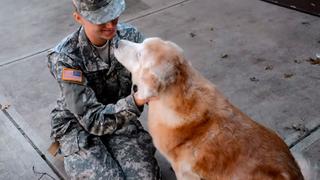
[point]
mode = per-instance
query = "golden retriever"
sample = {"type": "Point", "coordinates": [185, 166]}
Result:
{"type": "Point", "coordinates": [194, 126]}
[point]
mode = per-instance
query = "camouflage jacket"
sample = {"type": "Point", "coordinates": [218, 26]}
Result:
{"type": "Point", "coordinates": [101, 102]}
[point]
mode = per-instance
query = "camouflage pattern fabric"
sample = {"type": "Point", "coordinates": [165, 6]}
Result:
{"type": "Point", "coordinates": [99, 11]}
{"type": "Point", "coordinates": [95, 120]}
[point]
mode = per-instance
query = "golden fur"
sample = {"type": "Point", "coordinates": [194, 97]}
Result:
{"type": "Point", "coordinates": [195, 127]}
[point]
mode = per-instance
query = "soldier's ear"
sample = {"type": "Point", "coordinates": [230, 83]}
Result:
{"type": "Point", "coordinates": [77, 17]}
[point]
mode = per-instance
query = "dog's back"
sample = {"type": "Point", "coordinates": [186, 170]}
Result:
{"type": "Point", "coordinates": [217, 140]}
{"type": "Point", "coordinates": [195, 127]}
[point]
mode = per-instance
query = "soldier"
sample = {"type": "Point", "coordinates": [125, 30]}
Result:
{"type": "Point", "coordinates": [95, 120]}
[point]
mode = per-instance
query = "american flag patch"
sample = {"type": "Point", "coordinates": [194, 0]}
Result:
{"type": "Point", "coordinates": [73, 75]}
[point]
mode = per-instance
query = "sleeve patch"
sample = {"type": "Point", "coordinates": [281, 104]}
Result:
{"type": "Point", "coordinates": [72, 75]}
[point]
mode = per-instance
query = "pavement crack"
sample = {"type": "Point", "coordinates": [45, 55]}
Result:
{"type": "Point", "coordinates": [34, 146]}
{"type": "Point", "coordinates": [22, 58]}
{"type": "Point", "coordinates": [308, 133]}
{"type": "Point", "coordinates": [155, 10]}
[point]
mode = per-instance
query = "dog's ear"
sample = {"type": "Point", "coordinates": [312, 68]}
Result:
{"type": "Point", "coordinates": [149, 86]}
{"type": "Point", "coordinates": [165, 74]}
{"type": "Point", "coordinates": [169, 72]}
{"type": "Point", "coordinates": [177, 56]}
{"type": "Point", "coordinates": [157, 79]}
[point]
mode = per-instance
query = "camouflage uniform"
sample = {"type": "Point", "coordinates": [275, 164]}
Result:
{"type": "Point", "coordinates": [95, 121]}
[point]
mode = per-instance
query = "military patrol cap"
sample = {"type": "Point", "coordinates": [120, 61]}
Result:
{"type": "Point", "coordinates": [99, 11]}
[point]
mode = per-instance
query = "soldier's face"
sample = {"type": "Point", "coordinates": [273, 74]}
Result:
{"type": "Point", "coordinates": [106, 30]}
{"type": "Point", "coordinates": [98, 34]}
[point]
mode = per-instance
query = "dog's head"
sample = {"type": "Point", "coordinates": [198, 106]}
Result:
{"type": "Point", "coordinates": [154, 64]}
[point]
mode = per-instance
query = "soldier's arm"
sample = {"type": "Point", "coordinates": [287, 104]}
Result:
{"type": "Point", "coordinates": [129, 32]}
{"type": "Point", "coordinates": [96, 118]}
{"type": "Point", "coordinates": [61, 120]}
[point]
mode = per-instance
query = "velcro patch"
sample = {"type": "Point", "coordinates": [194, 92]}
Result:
{"type": "Point", "coordinates": [72, 75]}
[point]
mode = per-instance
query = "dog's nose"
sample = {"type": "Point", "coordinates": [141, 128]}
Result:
{"type": "Point", "coordinates": [135, 88]}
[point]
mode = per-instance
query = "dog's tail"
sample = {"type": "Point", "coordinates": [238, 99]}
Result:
{"type": "Point", "coordinates": [309, 171]}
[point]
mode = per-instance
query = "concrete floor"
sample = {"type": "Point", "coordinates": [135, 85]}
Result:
{"type": "Point", "coordinates": [256, 53]}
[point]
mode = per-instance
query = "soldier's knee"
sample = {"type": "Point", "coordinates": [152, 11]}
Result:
{"type": "Point", "coordinates": [89, 165]}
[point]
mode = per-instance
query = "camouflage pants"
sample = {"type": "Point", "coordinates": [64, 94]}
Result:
{"type": "Point", "coordinates": [127, 155]}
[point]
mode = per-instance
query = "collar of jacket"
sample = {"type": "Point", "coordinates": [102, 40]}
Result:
{"type": "Point", "coordinates": [90, 56]}
{"type": "Point", "coordinates": [88, 52]}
